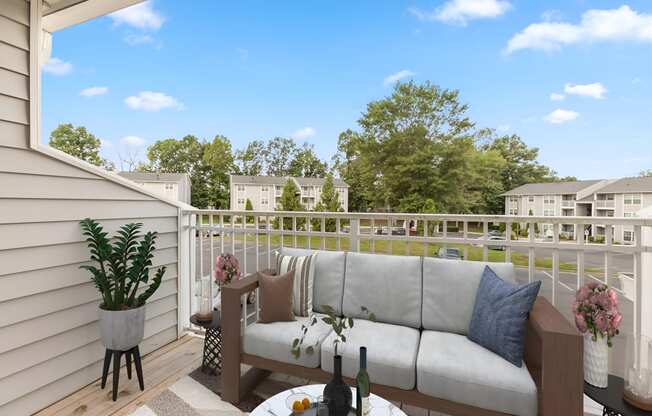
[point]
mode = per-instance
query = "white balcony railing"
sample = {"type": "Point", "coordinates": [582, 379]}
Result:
{"type": "Point", "coordinates": [567, 203]}
{"type": "Point", "coordinates": [561, 261]}
{"type": "Point", "coordinates": [605, 203]}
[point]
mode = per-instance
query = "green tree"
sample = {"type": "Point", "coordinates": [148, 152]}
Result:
{"type": "Point", "coordinates": [279, 153]}
{"type": "Point", "coordinates": [290, 201]}
{"type": "Point", "coordinates": [249, 207]}
{"type": "Point", "coordinates": [329, 201]}
{"type": "Point", "coordinates": [251, 160]}
{"type": "Point", "coordinates": [209, 165]}
{"type": "Point", "coordinates": [645, 173]}
{"type": "Point", "coordinates": [80, 143]}
{"type": "Point", "coordinates": [414, 145]}
{"type": "Point", "coordinates": [520, 167]}
{"type": "Point", "coordinates": [305, 163]}
{"type": "Point", "coordinates": [219, 164]}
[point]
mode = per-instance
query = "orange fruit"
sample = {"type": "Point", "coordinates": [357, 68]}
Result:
{"type": "Point", "coordinates": [306, 403]}
{"type": "Point", "coordinates": [297, 406]}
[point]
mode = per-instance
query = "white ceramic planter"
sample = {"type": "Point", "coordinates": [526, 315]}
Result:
{"type": "Point", "coordinates": [122, 330]}
{"type": "Point", "coordinates": [596, 361]}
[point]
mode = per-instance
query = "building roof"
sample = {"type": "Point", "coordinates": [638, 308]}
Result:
{"type": "Point", "coordinates": [281, 180]}
{"type": "Point", "coordinates": [628, 185]}
{"type": "Point", "coordinates": [154, 176]}
{"type": "Point", "coordinates": [548, 188]}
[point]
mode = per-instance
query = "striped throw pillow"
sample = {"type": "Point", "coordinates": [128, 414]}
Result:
{"type": "Point", "coordinates": [304, 277]}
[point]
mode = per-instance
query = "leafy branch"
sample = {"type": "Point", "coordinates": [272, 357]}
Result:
{"type": "Point", "coordinates": [339, 324]}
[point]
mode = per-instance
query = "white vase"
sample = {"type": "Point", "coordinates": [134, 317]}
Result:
{"type": "Point", "coordinates": [596, 361]}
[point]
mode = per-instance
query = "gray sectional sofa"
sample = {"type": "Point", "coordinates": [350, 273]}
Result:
{"type": "Point", "coordinates": [417, 347]}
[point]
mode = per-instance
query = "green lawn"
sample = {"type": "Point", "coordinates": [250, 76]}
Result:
{"type": "Point", "coordinates": [398, 247]}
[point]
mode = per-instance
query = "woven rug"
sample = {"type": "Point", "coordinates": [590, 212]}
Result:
{"type": "Point", "coordinates": [198, 394]}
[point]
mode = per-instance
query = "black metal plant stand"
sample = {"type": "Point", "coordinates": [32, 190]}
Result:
{"type": "Point", "coordinates": [212, 357]}
{"type": "Point", "coordinates": [611, 398]}
{"type": "Point", "coordinates": [134, 354]}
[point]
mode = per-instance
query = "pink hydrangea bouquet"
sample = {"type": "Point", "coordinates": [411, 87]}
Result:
{"type": "Point", "coordinates": [596, 311]}
{"type": "Point", "coordinates": [227, 268]}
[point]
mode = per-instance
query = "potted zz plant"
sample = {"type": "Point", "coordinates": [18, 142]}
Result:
{"type": "Point", "coordinates": [598, 318]}
{"type": "Point", "coordinates": [337, 395]}
{"type": "Point", "coordinates": [121, 268]}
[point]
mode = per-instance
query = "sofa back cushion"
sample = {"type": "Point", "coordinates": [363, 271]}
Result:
{"type": "Point", "coordinates": [389, 286]}
{"type": "Point", "coordinates": [449, 288]}
{"type": "Point", "coordinates": [328, 282]}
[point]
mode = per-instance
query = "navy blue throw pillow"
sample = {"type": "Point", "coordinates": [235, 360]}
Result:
{"type": "Point", "coordinates": [499, 315]}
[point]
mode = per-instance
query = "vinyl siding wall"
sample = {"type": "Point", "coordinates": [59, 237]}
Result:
{"type": "Point", "coordinates": [49, 337]}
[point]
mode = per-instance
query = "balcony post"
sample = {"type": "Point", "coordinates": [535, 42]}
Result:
{"type": "Point", "coordinates": [354, 235]}
{"type": "Point", "coordinates": [643, 276]}
{"type": "Point", "coordinates": [186, 259]}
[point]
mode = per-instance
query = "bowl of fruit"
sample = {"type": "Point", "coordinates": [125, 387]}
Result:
{"type": "Point", "coordinates": [299, 402]}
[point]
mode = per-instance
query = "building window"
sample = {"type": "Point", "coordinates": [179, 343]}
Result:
{"type": "Point", "coordinates": [169, 186]}
{"type": "Point", "coordinates": [264, 201]}
{"type": "Point", "coordinates": [279, 188]}
{"type": "Point", "coordinates": [304, 189]}
{"type": "Point", "coordinates": [264, 189]}
{"type": "Point", "coordinates": [549, 200]}
{"type": "Point", "coordinates": [632, 199]}
{"type": "Point", "coordinates": [241, 201]}
{"type": "Point", "coordinates": [628, 236]}
{"type": "Point", "coordinates": [241, 188]}
{"type": "Point", "coordinates": [530, 199]}
{"type": "Point", "coordinates": [513, 199]}
{"type": "Point", "coordinates": [630, 214]}
{"type": "Point", "coordinates": [513, 212]}
{"type": "Point", "coordinates": [548, 212]}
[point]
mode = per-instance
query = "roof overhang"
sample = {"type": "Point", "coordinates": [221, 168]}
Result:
{"type": "Point", "coordinates": [61, 14]}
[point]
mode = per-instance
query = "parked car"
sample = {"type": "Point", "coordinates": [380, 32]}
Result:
{"type": "Point", "coordinates": [450, 253]}
{"type": "Point", "coordinates": [495, 233]}
{"type": "Point", "coordinates": [496, 247]}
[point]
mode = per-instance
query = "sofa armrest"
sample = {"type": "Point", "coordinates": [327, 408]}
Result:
{"type": "Point", "coordinates": [231, 332]}
{"type": "Point", "coordinates": [554, 356]}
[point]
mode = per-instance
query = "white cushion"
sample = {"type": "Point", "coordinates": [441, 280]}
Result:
{"type": "Point", "coordinates": [274, 341]}
{"type": "Point", "coordinates": [391, 353]}
{"type": "Point", "coordinates": [329, 277]}
{"type": "Point", "coordinates": [389, 286]}
{"type": "Point", "coordinates": [452, 367]}
{"type": "Point", "coordinates": [449, 288]}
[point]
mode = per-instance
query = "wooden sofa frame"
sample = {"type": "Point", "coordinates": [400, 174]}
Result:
{"type": "Point", "coordinates": [553, 354]}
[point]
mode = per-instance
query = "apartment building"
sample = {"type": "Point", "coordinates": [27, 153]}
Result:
{"type": "Point", "coordinates": [264, 192]}
{"type": "Point", "coordinates": [174, 186]}
{"type": "Point", "coordinates": [623, 197]}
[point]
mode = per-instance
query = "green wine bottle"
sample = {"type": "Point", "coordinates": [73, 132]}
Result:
{"type": "Point", "coordinates": [363, 406]}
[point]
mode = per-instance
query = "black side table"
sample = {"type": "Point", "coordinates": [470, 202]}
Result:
{"type": "Point", "coordinates": [611, 398]}
{"type": "Point", "coordinates": [116, 355]}
{"type": "Point", "coordinates": [212, 360]}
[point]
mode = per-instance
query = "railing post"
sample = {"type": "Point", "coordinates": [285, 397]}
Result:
{"type": "Point", "coordinates": [186, 267]}
{"type": "Point", "coordinates": [643, 276]}
{"type": "Point", "coordinates": [354, 235]}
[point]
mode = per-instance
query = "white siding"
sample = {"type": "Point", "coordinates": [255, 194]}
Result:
{"type": "Point", "coordinates": [49, 340]}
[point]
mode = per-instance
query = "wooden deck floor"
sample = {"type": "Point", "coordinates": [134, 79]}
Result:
{"type": "Point", "coordinates": [161, 368]}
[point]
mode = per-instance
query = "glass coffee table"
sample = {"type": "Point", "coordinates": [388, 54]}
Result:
{"type": "Point", "coordinates": [277, 404]}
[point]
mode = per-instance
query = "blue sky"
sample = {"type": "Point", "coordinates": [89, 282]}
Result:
{"type": "Point", "coordinates": [259, 69]}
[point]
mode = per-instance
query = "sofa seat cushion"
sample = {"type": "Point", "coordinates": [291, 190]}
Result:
{"type": "Point", "coordinates": [451, 367]}
{"type": "Point", "coordinates": [274, 341]}
{"type": "Point", "coordinates": [391, 353]}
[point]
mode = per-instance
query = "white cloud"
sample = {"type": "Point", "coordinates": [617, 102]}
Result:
{"type": "Point", "coordinates": [132, 141]}
{"type": "Point", "coordinates": [622, 24]}
{"type": "Point", "coordinates": [551, 15]}
{"type": "Point", "coordinates": [304, 133]}
{"type": "Point", "coordinates": [595, 90]}
{"type": "Point", "coordinates": [405, 73]}
{"type": "Point", "coordinates": [93, 91]}
{"type": "Point", "coordinates": [141, 16]}
{"type": "Point", "coordinates": [560, 116]}
{"type": "Point", "coordinates": [56, 66]}
{"type": "Point", "coordinates": [636, 80]}
{"type": "Point", "coordinates": [152, 101]}
{"type": "Point", "coordinates": [555, 96]}
{"type": "Point", "coordinates": [135, 40]}
{"type": "Point", "coordinates": [462, 11]}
